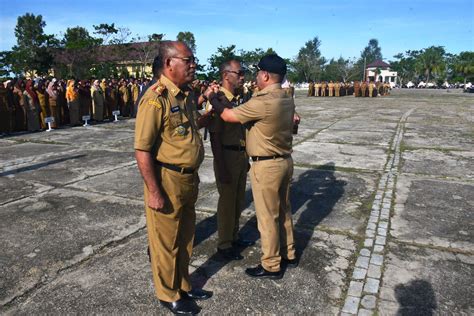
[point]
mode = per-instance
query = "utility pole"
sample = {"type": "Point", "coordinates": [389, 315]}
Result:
{"type": "Point", "coordinates": [365, 61]}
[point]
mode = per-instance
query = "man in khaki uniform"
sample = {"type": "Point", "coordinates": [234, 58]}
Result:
{"type": "Point", "coordinates": [356, 88]}
{"type": "Point", "coordinates": [269, 143]}
{"type": "Point", "coordinates": [337, 89]}
{"type": "Point", "coordinates": [363, 89]}
{"type": "Point", "coordinates": [371, 87]}
{"type": "Point", "coordinates": [317, 87]}
{"type": "Point", "coordinates": [323, 88]}
{"type": "Point", "coordinates": [331, 88]}
{"type": "Point", "coordinates": [311, 89]}
{"type": "Point", "coordinates": [230, 166]}
{"type": "Point", "coordinates": [169, 151]}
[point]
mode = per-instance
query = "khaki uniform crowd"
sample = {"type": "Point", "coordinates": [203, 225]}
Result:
{"type": "Point", "coordinates": [25, 104]}
{"type": "Point", "coordinates": [356, 88]}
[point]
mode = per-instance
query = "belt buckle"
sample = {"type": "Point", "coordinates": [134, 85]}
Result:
{"type": "Point", "coordinates": [182, 170]}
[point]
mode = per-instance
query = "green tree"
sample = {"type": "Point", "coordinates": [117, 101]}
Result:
{"type": "Point", "coordinates": [216, 59]}
{"type": "Point", "coordinates": [372, 51]}
{"type": "Point", "coordinates": [188, 38]}
{"type": "Point", "coordinates": [338, 70]}
{"type": "Point", "coordinates": [309, 62]}
{"type": "Point", "coordinates": [405, 66]}
{"type": "Point", "coordinates": [431, 61]}
{"type": "Point", "coordinates": [78, 52]}
{"type": "Point", "coordinates": [146, 48]}
{"type": "Point", "coordinates": [369, 54]}
{"type": "Point", "coordinates": [33, 52]}
{"type": "Point", "coordinates": [252, 57]}
{"type": "Point", "coordinates": [105, 31]}
{"type": "Point", "coordinates": [464, 65]}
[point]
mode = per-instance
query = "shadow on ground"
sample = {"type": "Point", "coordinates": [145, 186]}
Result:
{"type": "Point", "coordinates": [416, 298]}
{"type": "Point", "coordinates": [313, 196]}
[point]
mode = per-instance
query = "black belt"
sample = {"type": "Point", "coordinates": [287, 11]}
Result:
{"type": "Point", "coordinates": [234, 147]}
{"type": "Point", "coordinates": [259, 158]}
{"type": "Point", "coordinates": [175, 168]}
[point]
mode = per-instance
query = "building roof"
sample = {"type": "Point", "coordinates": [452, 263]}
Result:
{"type": "Point", "coordinates": [378, 64]}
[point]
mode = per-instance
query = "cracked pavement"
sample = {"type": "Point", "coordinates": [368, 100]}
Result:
{"type": "Point", "coordinates": [382, 201]}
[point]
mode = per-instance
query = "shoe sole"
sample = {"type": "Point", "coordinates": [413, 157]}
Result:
{"type": "Point", "coordinates": [271, 277]}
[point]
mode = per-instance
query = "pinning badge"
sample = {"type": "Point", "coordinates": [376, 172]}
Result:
{"type": "Point", "coordinates": [181, 130]}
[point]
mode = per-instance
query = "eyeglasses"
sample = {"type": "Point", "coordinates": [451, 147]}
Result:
{"type": "Point", "coordinates": [239, 73]}
{"type": "Point", "coordinates": [187, 60]}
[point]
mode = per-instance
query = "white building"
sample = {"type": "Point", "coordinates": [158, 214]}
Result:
{"type": "Point", "coordinates": [379, 70]}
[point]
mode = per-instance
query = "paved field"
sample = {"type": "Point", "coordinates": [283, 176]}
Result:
{"type": "Point", "coordinates": [382, 196]}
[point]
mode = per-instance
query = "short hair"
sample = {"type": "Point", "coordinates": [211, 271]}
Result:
{"type": "Point", "coordinates": [166, 49]}
{"type": "Point", "coordinates": [276, 77]}
{"type": "Point", "coordinates": [226, 66]}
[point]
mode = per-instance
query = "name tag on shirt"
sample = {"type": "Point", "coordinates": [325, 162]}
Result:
{"type": "Point", "coordinates": [175, 109]}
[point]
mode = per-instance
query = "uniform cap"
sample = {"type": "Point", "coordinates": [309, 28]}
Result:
{"type": "Point", "coordinates": [272, 63]}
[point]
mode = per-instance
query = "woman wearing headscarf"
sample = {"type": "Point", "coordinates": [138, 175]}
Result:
{"type": "Point", "coordinates": [72, 97]}
{"type": "Point", "coordinates": [4, 110]}
{"type": "Point", "coordinates": [98, 100]}
{"type": "Point", "coordinates": [43, 99]}
{"type": "Point", "coordinates": [19, 104]}
{"type": "Point", "coordinates": [53, 102]}
{"type": "Point", "coordinates": [85, 99]}
{"type": "Point", "coordinates": [32, 107]}
{"type": "Point", "coordinates": [11, 105]}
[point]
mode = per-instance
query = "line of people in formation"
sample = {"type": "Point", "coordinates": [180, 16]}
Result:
{"type": "Point", "coordinates": [356, 88]}
{"type": "Point", "coordinates": [25, 103]}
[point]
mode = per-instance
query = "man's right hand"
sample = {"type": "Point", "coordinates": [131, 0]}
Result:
{"type": "Point", "coordinates": [156, 202]}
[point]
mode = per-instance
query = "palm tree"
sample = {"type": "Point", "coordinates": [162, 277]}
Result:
{"type": "Point", "coordinates": [431, 60]}
{"type": "Point", "coordinates": [465, 65]}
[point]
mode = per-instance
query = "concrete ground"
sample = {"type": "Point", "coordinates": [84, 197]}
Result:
{"type": "Point", "coordinates": [382, 198]}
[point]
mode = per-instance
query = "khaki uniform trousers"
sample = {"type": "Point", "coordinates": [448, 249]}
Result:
{"type": "Point", "coordinates": [231, 197]}
{"type": "Point", "coordinates": [323, 91]}
{"type": "Point", "coordinates": [171, 233]}
{"type": "Point", "coordinates": [331, 90]}
{"type": "Point", "coordinates": [271, 193]}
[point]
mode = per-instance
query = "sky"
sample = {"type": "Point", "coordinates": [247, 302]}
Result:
{"type": "Point", "coordinates": [344, 27]}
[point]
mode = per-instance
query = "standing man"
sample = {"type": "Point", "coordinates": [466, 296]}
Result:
{"type": "Point", "coordinates": [317, 87]}
{"type": "Point", "coordinates": [230, 166]}
{"type": "Point", "coordinates": [169, 151]}
{"type": "Point", "coordinates": [331, 88]}
{"type": "Point", "coordinates": [269, 144]}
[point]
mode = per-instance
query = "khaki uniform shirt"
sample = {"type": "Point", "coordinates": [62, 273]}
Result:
{"type": "Point", "coordinates": [166, 125]}
{"type": "Point", "coordinates": [271, 112]}
{"type": "Point", "coordinates": [230, 133]}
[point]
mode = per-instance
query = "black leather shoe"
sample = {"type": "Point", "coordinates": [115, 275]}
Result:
{"type": "Point", "coordinates": [182, 307]}
{"type": "Point", "coordinates": [197, 294]}
{"type": "Point", "coordinates": [260, 272]}
{"type": "Point", "coordinates": [243, 243]}
{"type": "Point", "coordinates": [290, 263]}
{"type": "Point", "coordinates": [229, 254]}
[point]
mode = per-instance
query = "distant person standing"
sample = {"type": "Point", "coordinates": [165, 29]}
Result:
{"type": "Point", "coordinates": [72, 98]}
{"type": "Point", "coordinates": [98, 101]}
{"type": "Point", "coordinates": [32, 107]}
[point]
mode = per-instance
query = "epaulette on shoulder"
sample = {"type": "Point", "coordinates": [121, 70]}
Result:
{"type": "Point", "coordinates": [158, 88]}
